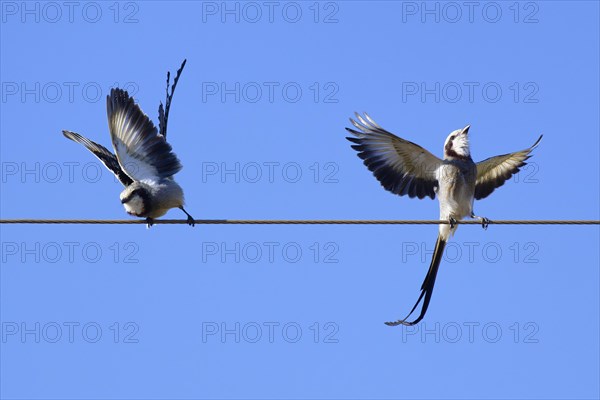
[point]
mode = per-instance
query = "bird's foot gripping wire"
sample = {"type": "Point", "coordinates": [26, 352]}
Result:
{"type": "Point", "coordinates": [484, 221]}
{"type": "Point", "coordinates": [149, 222]}
{"type": "Point", "coordinates": [453, 222]}
{"type": "Point", "coordinates": [190, 220]}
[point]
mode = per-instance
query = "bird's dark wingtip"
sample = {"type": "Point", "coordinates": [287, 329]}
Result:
{"type": "Point", "coordinates": [537, 142]}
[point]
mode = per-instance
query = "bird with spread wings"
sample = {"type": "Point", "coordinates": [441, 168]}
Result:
{"type": "Point", "coordinates": [144, 162]}
{"type": "Point", "coordinates": [405, 168]}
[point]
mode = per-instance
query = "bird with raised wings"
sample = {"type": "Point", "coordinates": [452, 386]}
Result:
{"type": "Point", "coordinates": [405, 168]}
{"type": "Point", "coordinates": [143, 161]}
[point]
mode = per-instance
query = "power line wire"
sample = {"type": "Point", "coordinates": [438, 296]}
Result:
{"type": "Point", "coordinates": [294, 222]}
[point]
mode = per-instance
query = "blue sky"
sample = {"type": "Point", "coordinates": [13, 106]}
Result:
{"type": "Point", "coordinates": [258, 122]}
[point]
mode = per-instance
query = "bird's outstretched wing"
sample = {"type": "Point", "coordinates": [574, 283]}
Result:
{"type": "Point", "coordinates": [103, 154]}
{"type": "Point", "coordinates": [494, 171]}
{"type": "Point", "coordinates": [163, 113]}
{"type": "Point", "coordinates": [402, 167]}
{"type": "Point", "coordinates": [142, 152]}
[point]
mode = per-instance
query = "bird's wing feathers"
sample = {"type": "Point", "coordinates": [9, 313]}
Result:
{"type": "Point", "coordinates": [142, 152]}
{"type": "Point", "coordinates": [402, 167]}
{"type": "Point", "coordinates": [494, 171]}
{"type": "Point", "coordinates": [103, 154]}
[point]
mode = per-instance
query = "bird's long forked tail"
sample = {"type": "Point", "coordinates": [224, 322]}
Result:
{"type": "Point", "coordinates": [163, 113]}
{"type": "Point", "coordinates": [427, 286]}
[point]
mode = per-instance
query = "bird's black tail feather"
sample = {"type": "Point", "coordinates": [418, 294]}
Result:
{"type": "Point", "coordinates": [163, 113]}
{"type": "Point", "coordinates": [427, 286]}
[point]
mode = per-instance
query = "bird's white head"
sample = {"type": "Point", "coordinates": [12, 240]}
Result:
{"type": "Point", "coordinates": [457, 145]}
{"type": "Point", "coordinates": [136, 200]}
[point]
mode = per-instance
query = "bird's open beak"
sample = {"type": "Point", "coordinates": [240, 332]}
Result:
{"type": "Point", "coordinates": [466, 129]}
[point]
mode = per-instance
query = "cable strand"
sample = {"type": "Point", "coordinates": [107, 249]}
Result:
{"type": "Point", "coordinates": [294, 222]}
